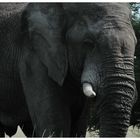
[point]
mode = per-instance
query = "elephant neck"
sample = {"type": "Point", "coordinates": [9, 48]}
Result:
{"type": "Point", "coordinates": [11, 37]}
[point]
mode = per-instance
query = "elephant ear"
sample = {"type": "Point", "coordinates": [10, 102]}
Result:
{"type": "Point", "coordinates": [45, 26]}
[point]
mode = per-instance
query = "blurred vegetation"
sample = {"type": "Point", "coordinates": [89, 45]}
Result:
{"type": "Point", "coordinates": [135, 7]}
{"type": "Point", "coordinates": [136, 19]}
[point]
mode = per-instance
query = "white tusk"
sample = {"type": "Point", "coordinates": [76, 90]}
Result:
{"type": "Point", "coordinates": [88, 91]}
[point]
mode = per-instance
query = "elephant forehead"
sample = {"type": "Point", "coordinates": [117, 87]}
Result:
{"type": "Point", "coordinates": [77, 32]}
{"type": "Point", "coordinates": [84, 30]}
{"type": "Point", "coordinates": [91, 18]}
{"type": "Point", "coordinates": [97, 10]}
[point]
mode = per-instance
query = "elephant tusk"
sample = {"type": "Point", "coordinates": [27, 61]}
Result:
{"type": "Point", "coordinates": [88, 91]}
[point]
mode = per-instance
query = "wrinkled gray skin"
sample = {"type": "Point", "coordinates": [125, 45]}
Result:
{"type": "Point", "coordinates": [58, 48]}
{"type": "Point", "coordinates": [13, 107]}
{"type": "Point", "coordinates": [135, 115]}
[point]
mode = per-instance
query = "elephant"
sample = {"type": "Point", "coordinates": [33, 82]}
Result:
{"type": "Point", "coordinates": [13, 107]}
{"type": "Point", "coordinates": [58, 56]}
{"type": "Point", "coordinates": [135, 115]}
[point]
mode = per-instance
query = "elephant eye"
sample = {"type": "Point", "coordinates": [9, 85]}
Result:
{"type": "Point", "coordinates": [88, 43]}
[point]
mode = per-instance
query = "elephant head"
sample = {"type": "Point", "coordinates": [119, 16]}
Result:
{"type": "Point", "coordinates": [95, 42]}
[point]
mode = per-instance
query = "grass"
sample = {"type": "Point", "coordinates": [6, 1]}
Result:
{"type": "Point", "coordinates": [132, 133]}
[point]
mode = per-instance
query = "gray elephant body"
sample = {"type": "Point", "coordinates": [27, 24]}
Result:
{"type": "Point", "coordinates": [135, 115]}
{"type": "Point", "coordinates": [51, 50]}
{"type": "Point", "coordinates": [13, 107]}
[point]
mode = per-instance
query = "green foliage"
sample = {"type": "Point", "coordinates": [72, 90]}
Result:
{"type": "Point", "coordinates": [136, 17]}
{"type": "Point", "coordinates": [135, 11]}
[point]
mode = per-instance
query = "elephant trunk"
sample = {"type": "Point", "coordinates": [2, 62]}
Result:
{"type": "Point", "coordinates": [119, 96]}
{"type": "Point", "coordinates": [116, 97]}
